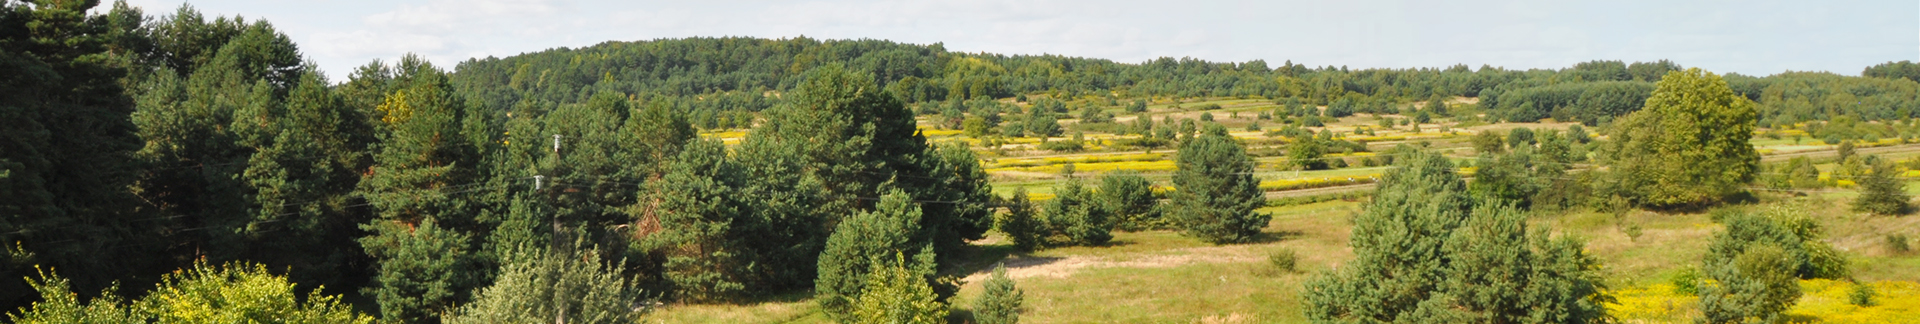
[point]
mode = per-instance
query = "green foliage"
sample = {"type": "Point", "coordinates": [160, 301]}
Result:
{"type": "Point", "coordinates": [1756, 286]}
{"type": "Point", "coordinates": [1306, 152]}
{"type": "Point", "coordinates": [1862, 295]}
{"type": "Point", "coordinates": [1128, 198]}
{"type": "Point", "coordinates": [1687, 281]}
{"type": "Point", "coordinates": [1881, 191]}
{"type": "Point", "coordinates": [1897, 242]}
{"type": "Point", "coordinates": [1487, 142]}
{"type": "Point", "coordinates": [1216, 191]}
{"type": "Point", "coordinates": [860, 245]}
{"type": "Point", "coordinates": [999, 301]}
{"type": "Point", "coordinates": [567, 286]}
{"type": "Point", "coordinates": [706, 232]}
{"type": "Point", "coordinates": [1688, 147]}
{"type": "Point", "coordinates": [1284, 260]}
{"type": "Point", "coordinates": [975, 127]}
{"type": "Point", "coordinates": [1520, 137]}
{"type": "Point", "coordinates": [1138, 105]}
{"type": "Point", "coordinates": [425, 269]}
{"type": "Point", "coordinates": [897, 293]}
{"type": "Point", "coordinates": [1903, 69]}
{"type": "Point", "coordinates": [1077, 214]}
{"type": "Point", "coordinates": [1788, 228]}
{"type": "Point", "coordinates": [234, 293]}
{"type": "Point", "coordinates": [1020, 224]}
{"type": "Point", "coordinates": [59, 305]}
{"type": "Point", "coordinates": [1427, 252]}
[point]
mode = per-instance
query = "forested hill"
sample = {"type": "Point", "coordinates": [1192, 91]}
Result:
{"type": "Point", "coordinates": [740, 74]}
{"type": "Point", "coordinates": [135, 145]}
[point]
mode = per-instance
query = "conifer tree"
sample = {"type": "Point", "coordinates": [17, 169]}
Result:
{"type": "Point", "coordinates": [705, 228]}
{"type": "Point", "coordinates": [1216, 192]}
{"type": "Point", "coordinates": [423, 233]}
{"type": "Point", "coordinates": [568, 286]}
{"type": "Point", "coordinates": [897, 293]}
{"type": "Point", "coordinates": [1427, 252]}
{"type": "Point", "coordinates": [1128, 198]}
{"type": "Point", "coordinates": [1881, 190]}
{"type": "Point", "coordinates": [1076, 213]}
{"type": "Point", "coordinates": [862, 241]}
{"type": "Point", "coordinates": [1026, 231]}
{"type": "Point", "coordinates": [1000, 300]}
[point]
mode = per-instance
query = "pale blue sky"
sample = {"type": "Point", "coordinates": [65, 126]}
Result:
{"type": "Point", "coordinates": [1748, 37]}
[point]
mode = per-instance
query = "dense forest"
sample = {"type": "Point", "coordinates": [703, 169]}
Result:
{"type": "Point", "coordinates": [136, 144]}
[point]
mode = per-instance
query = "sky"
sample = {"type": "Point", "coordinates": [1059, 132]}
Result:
{"type": "Point", "coordinates": [1748, 37]}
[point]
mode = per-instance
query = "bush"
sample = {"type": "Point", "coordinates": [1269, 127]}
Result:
{"type": "Point", "coordinates": [999, 301]}
{"type": "Point", "coordinates": [1755, 287]}
{"type": "Point", "coordinates": [1019, 223]}
{"type": "Point", "coordinates": [857, 243]}
{"type": "Point", "coordinates": [539, 284]}
{"type": "Point", "coordinates": [1880, 191]}
{"type": "Point", "coordinates": [1687, 281]}
{"type": "Point", "coordinates": [1284, 260]}
{"type": "Point", "coordinates": [1075, 213]}
{"type": "Point", "coordinates": [897, 293]}
{"type": "Point", "coordinates": [234, 293]}
{"type": "Point", "coordinates": [1862, 295]}
{"type": "Point", "coordinates": [1128, 198]}
{"type": "Point", "coordinates": [1897, 242]}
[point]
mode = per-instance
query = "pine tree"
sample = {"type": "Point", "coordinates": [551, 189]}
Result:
{"type": "Point", "coordinates": [1076, 213]}
{"type": "Point", "coordinates": [1427, 252]}
{"type": "Point", "coordinates": [1881, 190]}
{"type": "Point", "coordinates": [704, 227]}
{"type": "Point", "coordinates": [1757, 286]}
{"type": "Point", "coordinates": [423, 236]}
{"type": "Point", "coordinates": [568, 286]}
{"type": "Point", "coordinates": [858, 244]}
{"type": "Point", "coordinates": [1216, 192]}
{"type": "Point", "coordinates": [65, 148]}
{"type": "Point", "coordinates": [1000, 300]}
{"type": "Point", "coordinates": [1019, 223]}
{"type": "Point", "coordinates": [897, 293]}
{"type": "Point", "coordinates": [1128, 198]}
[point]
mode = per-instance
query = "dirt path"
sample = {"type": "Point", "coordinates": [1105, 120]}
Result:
{"type": "Point", "coordinates": [1824, 153]}
{"type": "Point", "coordinates": [1061, 267]}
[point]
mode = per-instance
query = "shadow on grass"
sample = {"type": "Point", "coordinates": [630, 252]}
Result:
{"type": "Point", "coordinates": [1270, 237]}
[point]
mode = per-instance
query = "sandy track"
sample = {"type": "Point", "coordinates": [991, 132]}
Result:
{"type": "Point", "coordinates": [1061, 267]}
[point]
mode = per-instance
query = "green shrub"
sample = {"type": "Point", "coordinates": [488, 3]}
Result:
{"type": "Point", "coordinates": [1000, 300]}
{"type": "Point", "coordinates": [1898, 243]}
{"type": "Point", "coordinates": [1862, 295]}
{"type": "Point", "coordinates": [897, 293]}
{"type": "Point", "coordinates": [1128, 198]}
{"type": "Point", "coordinates": [857, 244]}
{"type": "Point", "coordinates": [1687, 281]}
{"type": "Point", "coordinates": [1880, 191]}
{"type": "Point", "coordinates": [1076, 214]}
{"type": "Point", "coordinates": [539, 284]}
{"type": "Point", "coordinates": [1284, 260]}
{"type": "Point", "coordinates": [1019, 223]}
{"type": "Point", "coordinates": [234, 293]}
{"type": "Point", "coordinates": [1757, 286]}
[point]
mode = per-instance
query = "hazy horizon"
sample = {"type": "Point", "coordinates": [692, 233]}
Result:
{"type": "Point", "coordinates": [1753, 38]}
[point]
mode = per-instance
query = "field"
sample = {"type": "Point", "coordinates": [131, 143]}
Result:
{"type": "Point", "coordinates": [1164, 277]}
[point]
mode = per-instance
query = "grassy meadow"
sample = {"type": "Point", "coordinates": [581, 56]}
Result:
{"type": "Point", "coordinates": [1164, 277]}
